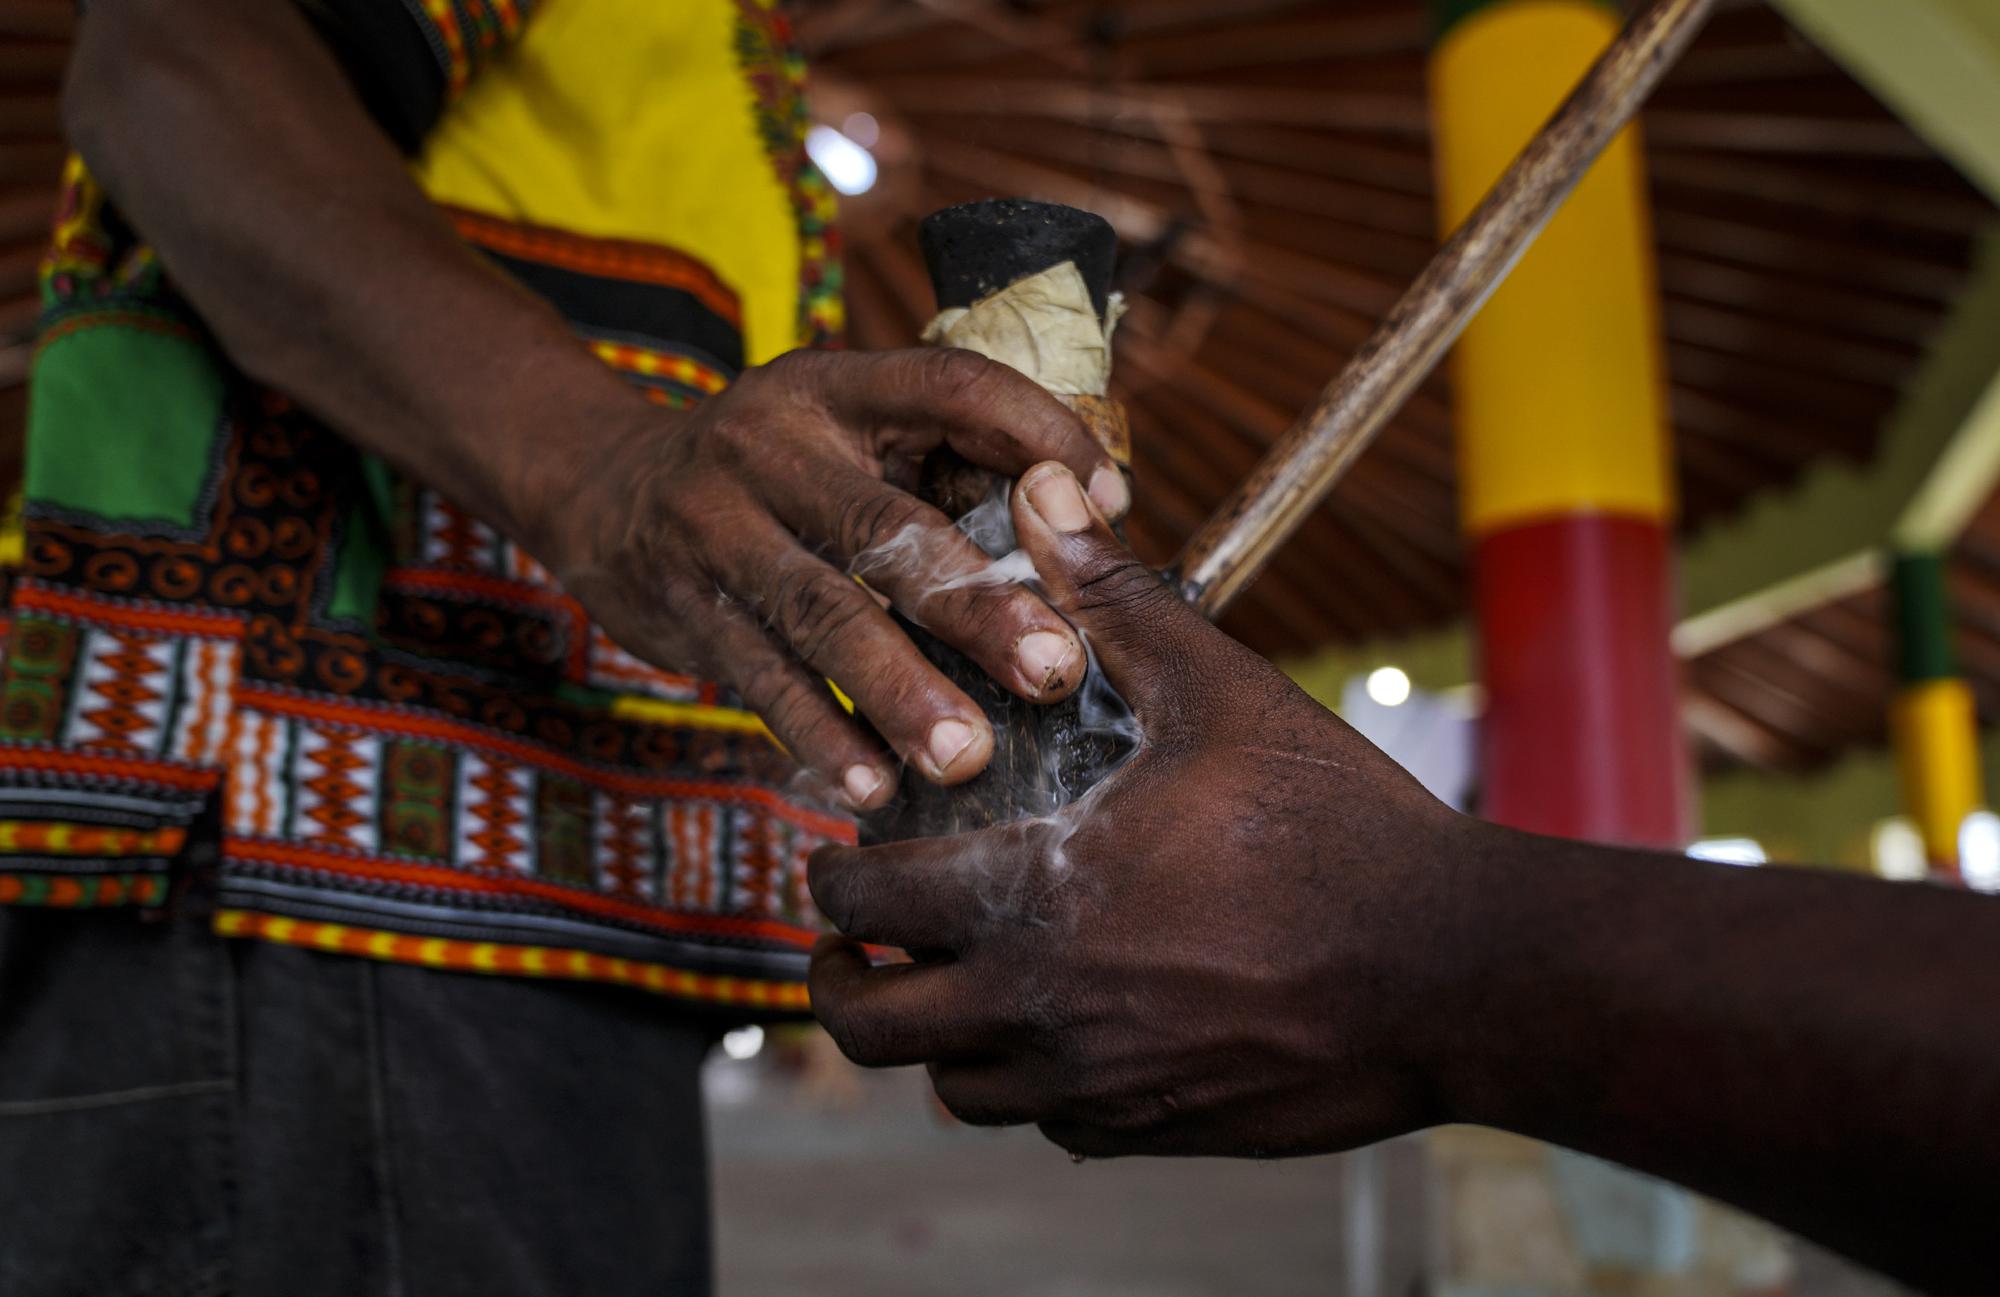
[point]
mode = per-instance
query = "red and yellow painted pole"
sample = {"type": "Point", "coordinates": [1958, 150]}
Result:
{"type": "Point", "coordinates": [1933, 721]}
{"type": "Point", "coordinates": [1563, 451]}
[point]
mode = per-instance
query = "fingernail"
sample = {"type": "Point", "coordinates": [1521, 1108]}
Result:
{"type": "Point", "coordinates": [1044, 657]}
{"type": "Point", "coordinates": [1055, 496]}
{"type": "Point", "coordinates": [1107, 487]}
{"type": "Point", "coordinates": [862, 783]}
{"type": "Point", "coordinates": [949, 739]}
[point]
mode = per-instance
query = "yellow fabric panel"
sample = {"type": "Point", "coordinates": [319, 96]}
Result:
{"type": "Point", "coordinates": [1936, 732]}
{"type": "Point", "coordinates": [631, 119]}
{"type": "Point", "coordinates": [1559, 384]}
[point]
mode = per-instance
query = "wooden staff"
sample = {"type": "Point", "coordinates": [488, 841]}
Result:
{"type": "Point", "coordinates": [1232, 547]}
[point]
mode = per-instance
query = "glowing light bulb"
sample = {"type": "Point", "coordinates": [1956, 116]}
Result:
{"type": "Point", "coordinates": [1389, 686]}
{"type": "Point", "coordinates": [1729, 851]}
{"type": "Point", "coordinates": [1899, 850]}
{"type": "Point", "coordinates": [1979, 851]}
{"type": "Point", "coordinates": [848, 167]}
{"type": "Point", "coordinates": [744, 1042]}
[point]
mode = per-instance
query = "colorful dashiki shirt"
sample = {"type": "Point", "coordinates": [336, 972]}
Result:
{"type": "Point", "coordinates": [416, 746]}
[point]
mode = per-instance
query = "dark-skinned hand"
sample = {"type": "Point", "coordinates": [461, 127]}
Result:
{"type": "Point", "coordinates": [1214, 952]}
{"type": "Point", "coordinates": [715, 542]}
{"type": "Point", "coordinates": [1259, 937]}
{"type": "Point", "coordinates": [724, 543]}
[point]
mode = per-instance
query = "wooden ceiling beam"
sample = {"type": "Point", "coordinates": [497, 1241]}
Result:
{"type": "Point", "coordinates": [1820, 399]}
{"type": "Point", "coordinates": [1257, 422]}
{"type": "Point", "coordinates": [1756, 699]}
{"type": "Point", "coordinates": [1394, 116]}
{"type": "Point", "coordinates": [1323, 40]}
{"type": "Point", "coordinates": [1141, 17]}
{"type": "Point", "coordinates": [1200, 252]}
{"type": "Point", "coordinates": [1815, 191]}
{"type": "Point", "coordinates": [1773, 438]}
{"type": "Point", "coordinates": [1163, 492]}
{"type": "Point", "coordinates": [1718, 460]}
{"type": "Point", "coordinates": [876, 318]}
{"type": "Point", "coordinates": [1815, 670]}
{"type": "Point", "coordinates": [1785, 252]}
{"type": "Point", "coordinates": [1857, 312]}
{"type": "Point", "coordinates": [1421, 503]}
{"type": "Point", "coordinates": [1738, 64]}
{"type": "Point", "coordinates": [1427, 579]}
{"type": "Point", "coordinates": [902, 273]}
{"type": "Point", "coordinates": [1802, 349]}
{"type": "Point", "coordinates": [1742, 737]}
{"type": "Point", "coordinates": [1192, 427]}
{"type": "Point", "coordinates": [1141, 157]}
{"type": "Point", "coordinates": [1207, 459]}
{"type": "Point", "coordinates": [1789, 135]}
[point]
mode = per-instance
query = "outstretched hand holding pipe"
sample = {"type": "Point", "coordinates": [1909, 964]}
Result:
{"type": "Point", "coordinates": [1259, 937]}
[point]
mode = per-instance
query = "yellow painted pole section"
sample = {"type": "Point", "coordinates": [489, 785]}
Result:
{"type": "Point", "coordinates": [1559, 383]}
{"type": "Point", "coordinates": [1936, 734]}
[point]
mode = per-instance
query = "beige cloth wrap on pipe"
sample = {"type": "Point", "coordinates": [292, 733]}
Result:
{"type": "Point", "coordinates": [1046, 327]}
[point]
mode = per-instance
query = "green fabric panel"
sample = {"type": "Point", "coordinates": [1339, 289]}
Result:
{"type": "Point", "coordinates": [122, 423]}
{"type": "Point", "coordinates": [357, 572]}
{"type": "Point", "coordinates": [577, 695]}
{"type": "Point", "coordinates": [1923, 620]}
{"type": "Point", "coordinates": [1447, 14]}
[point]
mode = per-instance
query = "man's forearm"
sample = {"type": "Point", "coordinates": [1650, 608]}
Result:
{"type": "Point", "coordinates": [1814, 1048]}
{"type": "Point", "coordinates": [231, 138]}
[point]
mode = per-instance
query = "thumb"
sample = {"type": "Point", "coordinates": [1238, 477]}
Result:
{"type": "Point", "coordinates": [1147, 639]}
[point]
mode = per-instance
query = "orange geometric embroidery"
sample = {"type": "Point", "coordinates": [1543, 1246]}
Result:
{"type": "Point", "coordinates": [496, 820]}
{"type": "Point", "coordinates": [623, 860]}
{"type": "Point", "coordinates": [119, 688]}
{"type": "Point", "coordinates": [756, 865]}
{"type": "Point", "coordinates": [337, 796]}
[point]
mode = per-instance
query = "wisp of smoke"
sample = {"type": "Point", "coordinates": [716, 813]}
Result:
{"type": "Point", "coordinates": [1047, 761]}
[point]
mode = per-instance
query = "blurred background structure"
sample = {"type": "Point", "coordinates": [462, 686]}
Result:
{"type": "Point", "coordinates": [1819, 210]}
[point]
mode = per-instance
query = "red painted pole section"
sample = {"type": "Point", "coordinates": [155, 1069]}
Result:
{"type": "Point", "coordinates": [1582, 735]}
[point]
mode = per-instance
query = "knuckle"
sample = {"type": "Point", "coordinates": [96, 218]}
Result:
{"type": "Point", "coordinates": [786, 706]}
{"type": "Point", "coordinates": [983, 618]}
{"type": "Point", "coordinates": [1118, 583]}
{"type": "Point", "coordinates": [764, 687]}
{"type": "Point", "coordinates": [790, 367]}
{"type": "Point", "coordinates": [958, 377]}
{"type": "Point", "coordinates": [816, 611]}
{"type": "Point", "coordinates": [873, 519]}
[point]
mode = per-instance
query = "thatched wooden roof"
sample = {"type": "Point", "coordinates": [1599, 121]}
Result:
{"type": "Point", "coordinates": [1268, 162]}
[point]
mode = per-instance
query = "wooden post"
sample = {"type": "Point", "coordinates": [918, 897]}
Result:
{"type": "Point", "coordinates": [1228, 552]}
{"type": "Point", "coordinates": [1933, 719]}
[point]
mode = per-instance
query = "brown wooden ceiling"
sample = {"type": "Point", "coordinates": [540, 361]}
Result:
{"type": "Point", "coordinates": [1268, 163]}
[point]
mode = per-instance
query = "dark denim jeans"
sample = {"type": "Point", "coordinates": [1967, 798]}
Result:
{"type": "Point", "coordinates": [184, 1115]}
